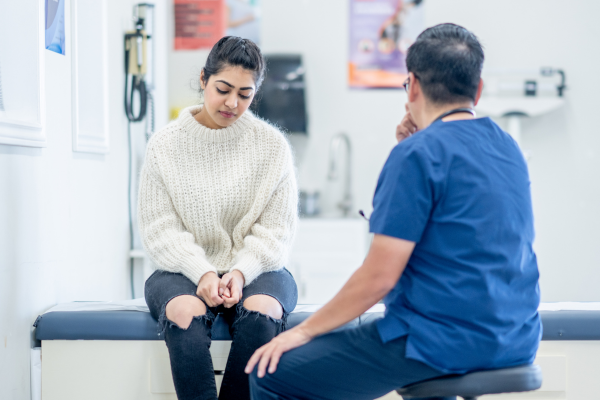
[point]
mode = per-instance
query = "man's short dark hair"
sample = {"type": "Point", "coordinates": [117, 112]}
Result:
{"type": "Point", "coordinates": [447, 60]}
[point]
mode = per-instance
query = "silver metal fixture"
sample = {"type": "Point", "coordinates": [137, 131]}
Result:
{"type": "Point", "coordinates": [334, 147]}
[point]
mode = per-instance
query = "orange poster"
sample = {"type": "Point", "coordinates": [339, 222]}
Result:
{"type": "Point", "coordinates": [199, 24]}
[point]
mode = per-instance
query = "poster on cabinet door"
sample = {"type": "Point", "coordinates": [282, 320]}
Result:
{"type": "Point", "coordinates": [199, 24]}
{"type": "Point", "coordinates": [381, 31]}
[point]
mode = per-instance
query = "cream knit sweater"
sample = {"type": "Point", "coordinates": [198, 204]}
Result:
{"type": "Point", "coordinates": [218, 199]}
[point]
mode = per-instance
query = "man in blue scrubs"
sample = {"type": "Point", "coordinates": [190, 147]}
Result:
{"type": "Point", "coordinates": [452, 252]}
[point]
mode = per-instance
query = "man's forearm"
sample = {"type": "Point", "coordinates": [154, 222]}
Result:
{"type": "Point", "coordinates": [380, 272]}
{"type": "Point", "coordinates": [361, 292]}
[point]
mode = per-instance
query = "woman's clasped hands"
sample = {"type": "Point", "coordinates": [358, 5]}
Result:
{"type": "Point", "coordinates": [226, 290]}
{"type": "Point", "coordinates": [230, 288]}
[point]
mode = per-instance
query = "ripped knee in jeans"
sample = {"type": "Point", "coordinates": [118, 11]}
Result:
{"type": "Point", "coordinates": [183, 313]}
{"type": "Point", "coordinates": [242, 313]}
{"type": "Point", "coordinates": [265, 304]}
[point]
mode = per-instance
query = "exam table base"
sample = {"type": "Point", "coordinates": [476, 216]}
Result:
{"type": "Point", "coordinates": [139, 369]}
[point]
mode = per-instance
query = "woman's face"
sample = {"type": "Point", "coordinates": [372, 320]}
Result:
{"type": "Point", "coordinates": [227, 95]}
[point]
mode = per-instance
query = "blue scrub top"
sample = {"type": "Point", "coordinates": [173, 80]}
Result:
{"type": "Point", "coordinates": [469, 295]}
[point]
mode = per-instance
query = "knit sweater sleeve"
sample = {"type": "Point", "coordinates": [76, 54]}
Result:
{"type": "Point", "coordinates": [266, 247]}
{"type": "Point", "coordinates": [163, 233]}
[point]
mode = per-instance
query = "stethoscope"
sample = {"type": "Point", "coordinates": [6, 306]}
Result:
{"type": "Point", "coordinates": [444, 115]}
{"type": "Point", "coordinates": [455, 111]}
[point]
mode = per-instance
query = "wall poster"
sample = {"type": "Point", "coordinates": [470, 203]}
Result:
{"type": "Point", "coordinates": [381, 31]}
{"type": "Point", "coordinates": [199, 24]}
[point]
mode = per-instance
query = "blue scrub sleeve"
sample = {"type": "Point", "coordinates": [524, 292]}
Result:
{"type": "Point", "coordinates": [404, 196]}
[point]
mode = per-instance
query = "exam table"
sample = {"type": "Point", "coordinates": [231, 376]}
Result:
{"type": "Point", "coordinates": [107, 350]}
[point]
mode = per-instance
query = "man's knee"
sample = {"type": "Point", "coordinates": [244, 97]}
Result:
{"type": "Point", "coordinates": [182, 309]}
{"type": "Point", "coordinates": [264, 304]}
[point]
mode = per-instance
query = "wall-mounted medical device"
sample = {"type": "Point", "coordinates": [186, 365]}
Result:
{"type": "Point", "coordinates": [282, 98]}
{"type": "Point", "coordinates": [524, 82]}
{"type": "Point", "coordinates": [550, 72]}
{"type": "Point", "coordinates": [136, 63]}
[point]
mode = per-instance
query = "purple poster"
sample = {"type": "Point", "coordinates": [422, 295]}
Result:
{"type": "Point", "coordinates": [381, 31]}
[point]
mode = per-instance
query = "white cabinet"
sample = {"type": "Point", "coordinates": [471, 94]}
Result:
{"type": "Point", "coordinates": [325, 254]}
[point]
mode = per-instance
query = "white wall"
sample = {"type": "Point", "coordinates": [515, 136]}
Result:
{"type": "Point", "coordinates": [564, 146]}
{"type": "Point", "coordinates": [63, 215]}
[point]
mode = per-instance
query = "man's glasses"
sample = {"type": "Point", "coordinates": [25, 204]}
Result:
{"type": "Point", "coordinates": [405, 84]}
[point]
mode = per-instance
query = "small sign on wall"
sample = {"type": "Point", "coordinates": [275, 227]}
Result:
{"type": "Point", "coordinates": [199, 24]}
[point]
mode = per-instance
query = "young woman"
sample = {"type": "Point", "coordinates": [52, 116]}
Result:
{"type": "Point", "coordinates": [217, 213]}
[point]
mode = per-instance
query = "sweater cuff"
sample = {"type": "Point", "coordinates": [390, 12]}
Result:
{"type": "Point", "coordinates": [195, 268]}
{"type": "Point", "coordinates": [249, 266]}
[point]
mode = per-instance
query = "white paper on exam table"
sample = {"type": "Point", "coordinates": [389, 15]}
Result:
{"type": "Point", "coordinates": [558, 306]}
{"type": "Point", "coordinates": [570, 306]}
{"type": "Point", "coordinates": [140, 305]}
{"type": "Point", "coordinates": [124, 305]}
{"type": "Point", "coordinates": [314, 307]}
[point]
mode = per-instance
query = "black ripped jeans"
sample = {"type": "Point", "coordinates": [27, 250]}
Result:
{"type": "Point", "coordinates": [191, 363]}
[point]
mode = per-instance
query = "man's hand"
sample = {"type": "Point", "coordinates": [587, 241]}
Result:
{"type": "Point", "coordinates": [231, 286]}
{"type": "Point", "coordinates": [407, 126]}
{"type": "Point", "coordinates": [208, 289]}
{"type": "Point", "coordinates": [269, 354]}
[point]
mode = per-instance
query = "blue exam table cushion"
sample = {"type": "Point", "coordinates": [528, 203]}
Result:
{"type": "Point", "coordinates": [571, 325]}
{"type": "Point", "coordinates": [122, 325]}
{"type": "Point", "coordinates": [96, 325]}
{"type": "Point", "coordinates": [138, 325]}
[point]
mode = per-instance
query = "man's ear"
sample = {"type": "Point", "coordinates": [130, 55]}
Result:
{"type": "Point", "coordinates": [479, 91]}
{"type": "Point", "coordinates": [414, 88]}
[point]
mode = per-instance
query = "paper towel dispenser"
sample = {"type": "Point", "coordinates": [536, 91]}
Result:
{"type": "Point", "coordinates": [282, 99]}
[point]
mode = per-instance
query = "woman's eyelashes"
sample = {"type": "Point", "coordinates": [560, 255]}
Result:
{"type": "Point", "coordinates": [226, 92]}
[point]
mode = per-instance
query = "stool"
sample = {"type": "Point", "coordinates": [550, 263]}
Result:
{"type": "Point", "coordinates": [523, 378]}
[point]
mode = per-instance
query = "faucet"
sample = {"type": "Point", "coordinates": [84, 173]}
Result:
{"type": "Point", "coordinates": [346, 204]}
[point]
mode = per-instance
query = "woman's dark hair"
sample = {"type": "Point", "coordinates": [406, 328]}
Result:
{"type": "Point", "coordinates": [447, 60]}
{"type": "Point", "coordinates": [233, 51]}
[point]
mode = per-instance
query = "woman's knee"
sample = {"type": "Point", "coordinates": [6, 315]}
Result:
{"type": "Point", "coordinates": [264, 304]}
{"type": "Point", "coordinates": [182, 309]}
